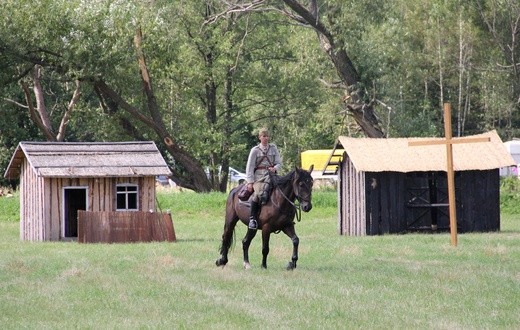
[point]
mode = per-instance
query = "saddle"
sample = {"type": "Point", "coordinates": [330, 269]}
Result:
{"type": "Point", "coordinates": [244, 194]}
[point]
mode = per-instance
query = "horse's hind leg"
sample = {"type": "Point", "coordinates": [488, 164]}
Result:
{"type": "Point", "coordinates": [289, 231]}
{"type": "Point", "coordinates": [227, 239]}
{"type": "Point", "coordinates": [246, 242]}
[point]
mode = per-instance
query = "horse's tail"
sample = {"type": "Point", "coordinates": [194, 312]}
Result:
{"type": "Point", "coordinates": [228, 237]}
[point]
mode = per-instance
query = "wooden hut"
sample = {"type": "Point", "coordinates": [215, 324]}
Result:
{"type": "Point", "coordinates": [387, 186]}
{"type": "Point", "coordinates": [58, 179]}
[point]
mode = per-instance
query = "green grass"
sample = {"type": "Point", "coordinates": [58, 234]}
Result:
{"type": "Point", "coordinates": [10, 208]}
{"type": "Point", "coordinates": [393, 281]}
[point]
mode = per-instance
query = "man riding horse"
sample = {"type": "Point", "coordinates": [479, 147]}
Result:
{"type": "Point", "coordinates": [264, 159]}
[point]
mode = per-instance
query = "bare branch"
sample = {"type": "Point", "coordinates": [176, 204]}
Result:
{"type": "Point", "coordinates": [239, 52]}
{"type": "Point", "coordinates": [40, 102]}
{"type": "Point", "coordinates": [33, 113]}
{"type": "Point", "coordinates": [66, 115]}
{"type": "Point", "coordinates": [16, 103]}
{"type": "Point", "coordinates": [107, 93]}
{"type": "Point", "coordinates": [240, 8]}
{"type": "Point", "coordinates": [333, 85]}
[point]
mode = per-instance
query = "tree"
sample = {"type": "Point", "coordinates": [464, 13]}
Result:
{"type": "Point", "coordinates": [37, 106]}
{"type": "Point", "coordinates": [198, 77]}
{"type": "Point", "coordinates": [325, 23]}
{"type": "Point", "coordinates": [500, 86]}
{"type": "Point", "coordinates": [199, 108]}
{"type": "Point", "coordinates": [62, 52]}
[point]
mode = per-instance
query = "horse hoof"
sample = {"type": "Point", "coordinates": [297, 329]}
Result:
{"type": "Point", "coordinates": [247, 265]}
{"type": "Point", "coordinates": [220, 263]}
{"type": "Point", "coordinates": [291, 266]}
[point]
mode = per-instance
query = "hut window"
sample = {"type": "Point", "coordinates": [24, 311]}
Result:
{"type": "Point", "coordinates": [127, 197]}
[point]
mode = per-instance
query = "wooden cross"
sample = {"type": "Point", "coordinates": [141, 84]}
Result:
{"type": "Point", "coordinates": [449, 141]}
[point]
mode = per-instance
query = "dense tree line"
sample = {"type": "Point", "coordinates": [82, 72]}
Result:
{"type": "Point", "coordinates": [199, 76]}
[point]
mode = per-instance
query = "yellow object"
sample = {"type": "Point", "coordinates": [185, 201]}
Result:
{"type": "Point", "coordinates": [319, 158]}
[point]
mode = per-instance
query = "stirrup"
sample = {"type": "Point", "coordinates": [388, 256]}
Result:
{"type": "Point", "coordinates": [252, 224]}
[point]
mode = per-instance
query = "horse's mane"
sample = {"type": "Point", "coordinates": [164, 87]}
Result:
{"type": "Point", "coordinates": [282, 180]}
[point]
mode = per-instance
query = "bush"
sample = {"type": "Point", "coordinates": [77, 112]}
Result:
{"type": "Point", "coordinates": [510, 195]}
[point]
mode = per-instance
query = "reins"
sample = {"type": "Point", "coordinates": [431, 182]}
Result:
{"type": "Point", "coordinates": [297, 207]}
{"type": "Point", "coordinates": [296, 204]}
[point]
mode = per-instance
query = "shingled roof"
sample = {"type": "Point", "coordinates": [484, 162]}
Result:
{"type": "Point", "coordinates": [395, 155]}
{"type": "Point", "coordinates": [89, 159]}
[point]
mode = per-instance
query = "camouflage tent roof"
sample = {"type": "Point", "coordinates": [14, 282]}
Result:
{"type": "Point", "coordinates": [89, 159]}
{"type": "Point", "coordinates": [395, 155]}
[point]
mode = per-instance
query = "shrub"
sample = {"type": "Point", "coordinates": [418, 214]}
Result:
{"type": "Point", "coordinates": [510, 195]}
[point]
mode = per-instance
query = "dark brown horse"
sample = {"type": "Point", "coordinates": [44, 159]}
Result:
{"type": "Point", "coordinates": [290, 194]}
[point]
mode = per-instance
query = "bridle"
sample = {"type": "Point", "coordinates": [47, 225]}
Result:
{"type": "Point", "coordinates": [297, 203]}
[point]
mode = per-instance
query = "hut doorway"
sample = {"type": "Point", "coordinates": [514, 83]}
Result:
{"type": "Point", "coordinates": [75, 198]}
{"type": "Point", "coordinates": [427, 201]}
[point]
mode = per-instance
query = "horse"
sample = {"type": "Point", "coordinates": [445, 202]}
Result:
{"type": "Point", "coordinates": [276, 215]}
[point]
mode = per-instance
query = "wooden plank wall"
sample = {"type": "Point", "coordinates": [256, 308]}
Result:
{"type": "Point", "coordinates": [41, 200]}
{"type": "Point", "coordinates": [124, 227]}
{"type": "Point", "coordinates": [50, 217]}
{"type": "Point", "coordinates": [352, 217]}
{"type": "Point", "coordinates": [479, 202]}
{"type": "Point", "coordinates": [32, 205]}
{"type": "Point", "coordinates": [25, 191]}
{"type": "Point", "coordinates": [374, 203]}
{"type": "Point", "coordinates": [344, 200]}
{"type": "Point", "coordinates": [340, 198]}
{"type": "Point", "coordinates": [377, 204]}
{"type": "Point", "coordinates": [394, 187]}
{"type": "Point", "coordinates": [477, 196]}
{"type": "Point", "coordinates": [387, 212]}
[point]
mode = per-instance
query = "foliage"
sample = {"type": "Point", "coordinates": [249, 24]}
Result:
{"type": "Point", "coordinates": [217, 76]}
{"type": "Point", "coordinates": [17, 128]}
{"type": "Point", "coordinates": [510, 195]}
{"type": "Point", "coordinates": [338, 279]}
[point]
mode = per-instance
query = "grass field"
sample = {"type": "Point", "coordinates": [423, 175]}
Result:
{"type": "Point", "coordinates": [414, 281]}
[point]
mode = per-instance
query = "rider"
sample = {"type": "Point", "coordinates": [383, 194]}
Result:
{"type": "Point", "coordinates": [263, 159]}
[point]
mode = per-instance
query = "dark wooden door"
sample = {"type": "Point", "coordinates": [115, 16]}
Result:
{"type": "Point", "coordinates": [75, 199]}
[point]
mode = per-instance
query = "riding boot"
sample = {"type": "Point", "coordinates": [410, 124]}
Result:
{"type": "Point", "coordinates": [266, 193]}
{"type": "Point", "coordinates": [253, 218]}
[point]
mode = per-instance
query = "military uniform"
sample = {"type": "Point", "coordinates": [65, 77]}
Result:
{"type": "Point", "coordinates": [260, 159]}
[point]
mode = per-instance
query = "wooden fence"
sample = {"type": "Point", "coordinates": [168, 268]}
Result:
{"type": "Point", "coordinates": [124, 227]}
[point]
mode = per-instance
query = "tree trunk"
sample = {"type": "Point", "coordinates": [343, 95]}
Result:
{"type": "Point", "coordinates": [192, 175]}
{"type": "Point", "coordinates": [355, 104]}
{"type": "Point", "coordinates": [39, 114]}
{"type": "Point", "coordinates": [65, 119]}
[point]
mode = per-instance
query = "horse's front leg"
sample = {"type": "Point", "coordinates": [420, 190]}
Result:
{"type": "Point", "coordinates": [266, 235]}
{"type": "Point", "coordinates": [246, 242]}
{"type": "Point", "coordinates": [289, 231]}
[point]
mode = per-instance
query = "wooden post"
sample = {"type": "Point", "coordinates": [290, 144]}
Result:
{"type": "Point", "coordinates": [449, 141]}
{"type": "Point", "coordinates": [451, 175]}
